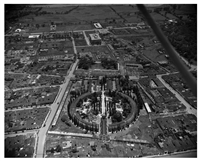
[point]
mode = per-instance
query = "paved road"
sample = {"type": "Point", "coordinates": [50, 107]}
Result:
{"type": "Point", "coordinates": [86, 39]}
{"type": "Point", "coordinates": [34, 74]}
{"type": "Point", "coordinates": [70, 134]}
{"type": "Point", "coordinates": [25, 108]}
{"type": "Point", "coordinates": [189, 108]}
{"type": "Point", "coordinates": [54, 107]}
{"type": "Point", "coordinates": [20, 133]}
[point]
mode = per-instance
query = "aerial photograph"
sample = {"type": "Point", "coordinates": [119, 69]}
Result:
{"type": "Point", "coordinates": [100, 80]}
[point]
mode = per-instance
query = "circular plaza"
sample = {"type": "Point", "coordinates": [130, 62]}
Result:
{"type": "Point", "coordinates": [103, 112]}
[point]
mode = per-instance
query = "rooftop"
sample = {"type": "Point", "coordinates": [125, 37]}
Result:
{"type": "Point", "coordinates": [95, 37]}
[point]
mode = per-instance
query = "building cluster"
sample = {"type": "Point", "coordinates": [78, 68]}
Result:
{"type": "Point", "coordinates": [14, 81]}
{"type": "Point", "coordinates": [175, 133]}
{"type": "Point", "coordinates": [177, 83]}
{"type": "Point", "coordinates": [162, 100]}
{"type": "Point", "coordinates": [30, 97]}
{"type": "Point", "coordinates": [20, 146]}
{"type": "Point", "coordinates": [22, 120]}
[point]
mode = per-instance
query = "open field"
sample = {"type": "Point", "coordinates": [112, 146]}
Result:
{"type": "Point", "coordinates": [124, 8]}
{"type": "Point", "coordinates": [157, 17]}
{"type": "Point", "coordinates": [154, 55]}
{"type": "Point", "coordinates": [55, 9]}
{"type": "Point", "coordinates": [92, 13]}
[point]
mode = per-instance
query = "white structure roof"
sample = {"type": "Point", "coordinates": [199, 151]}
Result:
{"type": "Point", "coordinates": [95, 37]}
{"type": "Point", "coordinates": [147, 107]}
{"type": "Point", "coordinates": [97, 25]}
{"type": "Point", "coordinates": [104, 31]}
{"type": "Point", "coordinates": [18, 30]}
{"type": "Point", "coordinates": [33, 36]}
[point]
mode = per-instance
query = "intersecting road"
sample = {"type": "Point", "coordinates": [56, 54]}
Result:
{"type": "Point", "coordinates": [54, 107]}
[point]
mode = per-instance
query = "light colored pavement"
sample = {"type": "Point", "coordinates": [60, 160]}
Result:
{"type": "Point", "coordinates": [54, 107]}
{"type": "Point", "coordinates": [62, 104]}
{"type": "Point", "coordinates": [132, 140]}
{"type": "Point", "coordinates": [13, 134]}
{"type": "Point", "coordinates": [86, 39]}
{"type": "Point", "coordinates": [34, 74]}
{"type": "Point", "coordinates": [189, 108]}
{"type": "Point", "coordinates": [70, 134]}
{"type": "Point", "coordinates": [27, 108]}
{"type": "Point", "coordinates": [103, 103]}
{"type": "Point", "coordinates": [192, 67]}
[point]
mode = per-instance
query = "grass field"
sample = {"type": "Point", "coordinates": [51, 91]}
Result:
{"type": "Point", "coordinates": [133, 18]}
{"type": "Point", "coordinates": [124, 8]}
{"type": "Point", "coordinates": [57, 9]}
{"type": "Point", "coordinates": [154, 55]}
{"type": "Point", "coordinates": [157, 17]}
{"type": "Point", "coordinates": [80, 17]}
{"type": "Point", "coordinates": [92, 13]}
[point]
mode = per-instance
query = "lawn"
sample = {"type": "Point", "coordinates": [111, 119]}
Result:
{"type": "Point", "coordinates": [123, 8]}
{"type": "Point", "coordinates": [133, 19]}
{"type": "Point", "coordinates": [92, 13]}
{"type": "Point", "coordinates": [57, 9]}
{"type": "Point", "coordinates": [80, 42]}
{"type": "Point", "coordinates": [157, 17]}
{"type": "Point", "coordinates": [154, 55]}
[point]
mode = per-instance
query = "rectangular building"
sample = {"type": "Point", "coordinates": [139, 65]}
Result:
{"type": "Point", "coordinates": [95, 39]}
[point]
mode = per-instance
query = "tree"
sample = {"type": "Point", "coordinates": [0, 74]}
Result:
{"type": "Point", "coordinates": [117, 116]}
{"type": "Point", "coordinates": [85, 62]}
{"type": "Point", "coordinates": [52, 150]}
{"type": "Point", "coordinates": [37, 26]}
{"type": "Point", "coordinates": [108, 63]}
{"type": "Point", "coordinates": [64, 118]}
{"type": "Point", "coordinates": [58, 148]}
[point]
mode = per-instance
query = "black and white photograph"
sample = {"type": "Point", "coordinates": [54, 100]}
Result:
{"type": "Point", "coordinates": [99, 80]}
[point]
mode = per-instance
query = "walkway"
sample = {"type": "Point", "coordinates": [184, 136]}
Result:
{"type": "Point", "coordinates": [103, 107]}
{"type": "Point", "coordinates": [70, 134]}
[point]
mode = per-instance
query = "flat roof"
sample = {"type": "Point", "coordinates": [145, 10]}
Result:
{"type": "Point", "coordinates": [95, 36]}
{"type": "Point", "coordinates": [34, 36]}
{"type": "Point", "coordinates": [163, 62]}
{"type": "Point", "coordinates": [97, 25]}
{"type": "Point", "coordinates": [147, 107]}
